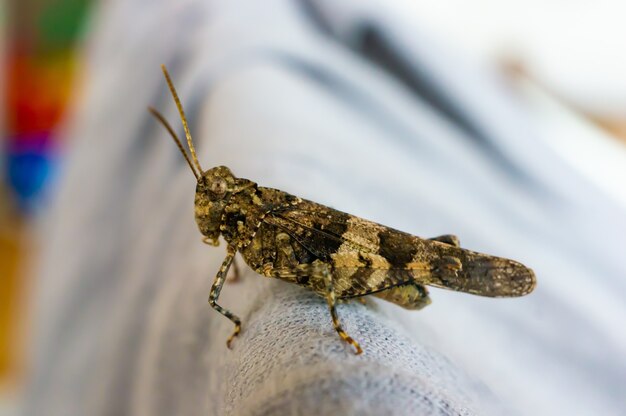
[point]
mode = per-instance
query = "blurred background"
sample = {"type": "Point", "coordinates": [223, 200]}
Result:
{"type": "Point", "coordinates": [39, 61]}
{"type": "Point", "coordinates": [563, 59]}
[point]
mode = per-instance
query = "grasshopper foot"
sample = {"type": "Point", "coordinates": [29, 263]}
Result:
{"type": "Point", "coordinates": [347, 338]}
{"type": "Point", "coordinates": [233, 335]}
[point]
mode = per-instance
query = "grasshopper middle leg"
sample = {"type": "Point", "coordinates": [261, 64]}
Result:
{"type": "Point", "coordinates": [236, 275]}
{"type": "Point", "coordinates": [332, 301]}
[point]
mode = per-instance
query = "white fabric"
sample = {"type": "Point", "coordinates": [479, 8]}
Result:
{"type": "Point", "coordinates": [123, 325]}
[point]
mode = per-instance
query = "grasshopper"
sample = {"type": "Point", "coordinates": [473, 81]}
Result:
{"type": "Point", "coordinates": [336, 255]}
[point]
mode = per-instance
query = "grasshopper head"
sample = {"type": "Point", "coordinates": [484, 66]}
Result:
{"type": "Point", "coordinates": [213, 191]}
{"type": "Point", "coordinates": [215, 186]}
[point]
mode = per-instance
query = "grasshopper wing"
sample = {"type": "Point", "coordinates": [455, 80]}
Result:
{"type": "Point", "coordinates": [368, 257]}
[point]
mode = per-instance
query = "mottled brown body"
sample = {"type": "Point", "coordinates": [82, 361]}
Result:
{"type": "Point", "coordinates": [334, 254]}
{"type": "Point", "coordinates": [282, 236]}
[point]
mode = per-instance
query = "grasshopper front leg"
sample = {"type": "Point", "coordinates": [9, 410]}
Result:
{"type": "Point", "coordinates": [216, 288]}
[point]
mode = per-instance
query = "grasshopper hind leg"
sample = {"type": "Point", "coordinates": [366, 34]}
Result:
{"type": "Point", "coordinates": [450, 239]}
{"type": "Point", "coordinates": [331, 298]}
{"type": "Point", "coordinates": [411, 296]}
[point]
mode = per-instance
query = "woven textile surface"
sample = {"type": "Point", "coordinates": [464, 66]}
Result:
{"type": "Point", "coordinates": [341, 104]}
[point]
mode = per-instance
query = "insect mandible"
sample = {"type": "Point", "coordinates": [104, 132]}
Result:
{"type": "Point", "coordinates": [336, 255]}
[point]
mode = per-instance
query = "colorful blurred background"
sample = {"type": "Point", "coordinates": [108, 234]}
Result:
{"type": "Point", "coordinates": [579, 94]}
{"type": "Point", "coordinates": [38, 41]}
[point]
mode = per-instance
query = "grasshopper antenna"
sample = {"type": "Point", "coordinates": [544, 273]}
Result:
{"type": "Point", "coordinates": [169, 128]}
{"type": "Point", "coordinates": [182, 117]}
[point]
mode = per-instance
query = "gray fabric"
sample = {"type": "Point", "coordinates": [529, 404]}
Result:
{"type": "Point", "coordinates": [279, 92]}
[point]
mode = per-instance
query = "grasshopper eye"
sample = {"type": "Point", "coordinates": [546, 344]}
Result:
{"type": "Point", "coordinates": [218, 187]}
